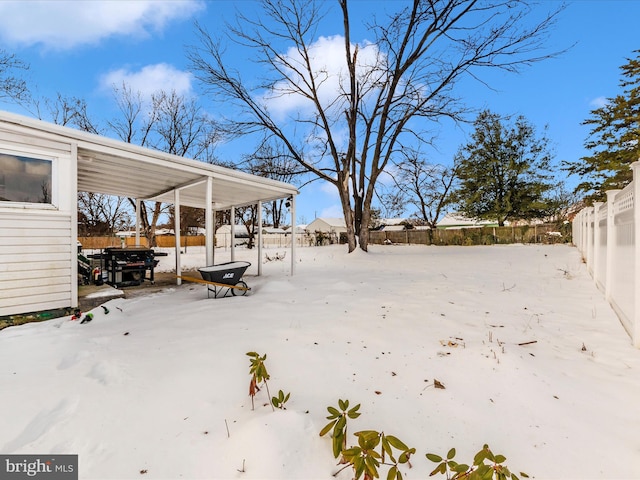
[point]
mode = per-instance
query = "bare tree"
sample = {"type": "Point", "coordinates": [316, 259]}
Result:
{"type": "Point", "coordinates": [12, 85]}
{"type": "Point", "coordinates": [170, 123]}
{"type": "Point", "coordinates": [386, 90]}
{"type": "Point", "coordinates": [135, 122]}
{"type": "Point", "coordinates": [392, 203]}
{"type": "Point", "coordinates": [272, 161]}
{"type": "Point", "coordinates": [101, 214]}
{"type": "Point", "coordinates": [426, 186]}
{"type": "Point", "coordinates": [68, 111]}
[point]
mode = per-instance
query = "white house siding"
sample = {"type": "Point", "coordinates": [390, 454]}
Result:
{"type": "Point", "coordinates": [38, 261]}
{"type": "Point", "coordinates": [35, 261]}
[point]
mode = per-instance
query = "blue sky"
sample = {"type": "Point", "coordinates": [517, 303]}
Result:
{"type": "Point", "coordinates": [81, 49]}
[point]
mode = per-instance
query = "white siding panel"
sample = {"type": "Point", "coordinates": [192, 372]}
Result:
{"type": "Point", "coordinates": [34, 303]}
{"type": "Point", "coordinates": [14, 251]}
{"type": "Point", "coordinates": [33, 284]}
{"type": "Point", "coordinates": [33, 241]}
{"type": "Point", "coordinates": [20, 296]}
{"type": "Point", "coordinates": [9, 276]}
{"type": "Point", "coordinates": [36, 259]}
{"type": "Point", "coordinates": [43, 258]}
{"type": "Point", "coordinates": [30, 144]}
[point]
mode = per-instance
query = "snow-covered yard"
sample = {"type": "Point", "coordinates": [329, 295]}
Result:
{"type": "Point", "coordinates": [533, 360]}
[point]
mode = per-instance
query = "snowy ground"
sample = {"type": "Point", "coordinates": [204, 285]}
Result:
{"type": "Point", "coordinates": [158, 388]}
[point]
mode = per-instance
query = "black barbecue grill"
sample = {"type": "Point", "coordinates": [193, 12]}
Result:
{"type": "Point", "coordinates": [127, 267]}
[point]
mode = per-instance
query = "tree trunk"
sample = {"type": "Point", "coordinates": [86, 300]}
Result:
{"type": "Point", "coordinates": [365, 220]}
{"type": "Point", "coordinates": [348, 220]}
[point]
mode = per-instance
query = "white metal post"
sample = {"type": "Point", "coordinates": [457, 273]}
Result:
{"type": "Point", "coordinates": [176, 232]}
{"type": "Point", "coordinates": [233, 234]}
{"type": "Point", "coordinates": [209, 223]}
{"type": "Point", "coordinates": [138, 222]}
{"type": "Point", "coordinates": [213, 239]}
{"type": "Point", "coordinates": [259, 238]}
{"type": "Point", "coordinates": [293, 234]}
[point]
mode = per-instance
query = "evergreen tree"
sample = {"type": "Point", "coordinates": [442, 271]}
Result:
{"type": "Point", "coordinates": [504, 172]}
{"type": "Point", "coordinates": [614, 139]}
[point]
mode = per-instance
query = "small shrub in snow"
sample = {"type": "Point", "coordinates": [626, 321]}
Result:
{"type": "Point", "coordinates": [259, 374]}
{"type": "Point", "coordinates": [339, 425]}
{"type": "Point", "coordinates": [280, 400]}
{"type": "Point", "coordinates": [365, 459]}
{"type": "Point", "coordinates": [374, 448]}
{"type": "Point", "coordinates": [480, 470]}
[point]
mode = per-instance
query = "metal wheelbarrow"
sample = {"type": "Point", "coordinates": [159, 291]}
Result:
{"type": "Point", "coordinates": [223, 279]}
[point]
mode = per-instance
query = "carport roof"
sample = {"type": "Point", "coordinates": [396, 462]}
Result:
{"type": "Point", "coordinates": [114, 167]}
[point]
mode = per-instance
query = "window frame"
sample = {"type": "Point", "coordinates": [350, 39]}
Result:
{"type": "Point", "coordinates": [31, 154]}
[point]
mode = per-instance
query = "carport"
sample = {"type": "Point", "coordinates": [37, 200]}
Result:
{"type": "Point", "coordinates": [86, 162]}
{"type": "Point", "coordinates": [146, 175]}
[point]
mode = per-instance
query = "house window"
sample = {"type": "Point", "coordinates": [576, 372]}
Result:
{"type": "Point", "coordinates": [25, 179]}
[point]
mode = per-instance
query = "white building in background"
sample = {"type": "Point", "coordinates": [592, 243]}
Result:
{"type": "Point", "coordinates": [223, 235]}
{"type": "Point", "coordinates": [457, 220]}
{"type": "Point", "coordinates": [328, 225]}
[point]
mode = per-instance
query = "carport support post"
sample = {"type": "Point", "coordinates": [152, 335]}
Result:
{"type": "Point", "coordinates": [209, 223]}
{"type": "Point", "coordinates": [176, 233]}
{"type": "Point", "coordinates": [293, 234]}
{"type": "Point", "coordinates": [259, 237]}
{"type": "Point", "coordinates": [137, 222]}
{"type": "Point", "coordinates": [233, 234]}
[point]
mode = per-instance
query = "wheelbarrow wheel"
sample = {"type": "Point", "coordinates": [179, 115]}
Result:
{"type": "Point", "coordinates": [237, 291]}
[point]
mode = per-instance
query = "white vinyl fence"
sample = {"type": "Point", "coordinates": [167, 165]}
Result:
{"type": "Point", "coordinates": [608, 237]}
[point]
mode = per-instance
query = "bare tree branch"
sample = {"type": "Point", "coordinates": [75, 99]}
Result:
{"type": "Point", "coordinates": [348, 123]}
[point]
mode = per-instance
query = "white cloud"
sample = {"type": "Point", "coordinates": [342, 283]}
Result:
{"type": "Point", "coordinates": [149, 79]}
{"type": "Point", "coordinates": [62, 25]}
{"type": "Point", "coordinates": [328, 62]}
{"type": "Point", "coordinates": [328, 189]}
{"type": "Point", "coordinates": [599, 102]}
{"type": "Point", "coordinates": [334, 211]}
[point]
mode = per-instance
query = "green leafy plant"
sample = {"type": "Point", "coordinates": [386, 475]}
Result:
{"type": "Point", "coordinates": [480, 470]}
{"type": "Point", "coordinates": [259, 374]}
{"type": "Point", "coordinates": [365, 459]}
{"type": "Point", "coordinates": [373, 450]}
{"type": "Point", "coordinates": [280, 400]}
{"type": "Point", "coordinates": [338, 422]}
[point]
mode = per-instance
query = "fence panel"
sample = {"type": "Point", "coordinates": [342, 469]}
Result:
{"type": "Point", "coordinates": [608, 238]}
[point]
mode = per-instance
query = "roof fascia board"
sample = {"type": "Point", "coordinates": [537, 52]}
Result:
{"type": "Point", "coordinates": [92, 142]}
{"type": "Point", "coordinates": [188, 165]}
